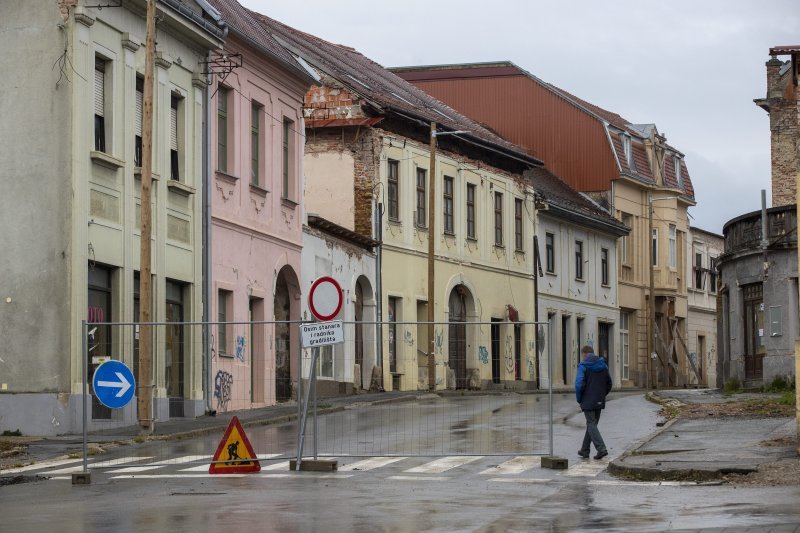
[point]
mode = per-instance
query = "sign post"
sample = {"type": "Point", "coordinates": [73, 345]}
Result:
{"type": "Point", "coordinates": [325, 302]}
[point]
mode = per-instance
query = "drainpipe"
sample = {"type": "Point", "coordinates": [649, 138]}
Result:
{"type": "Point", "coordinates": [207, 246]}
{"type": "Point", "coordinates": [379, 280]}
{"type": "Point", "coordinates": [764, 233]}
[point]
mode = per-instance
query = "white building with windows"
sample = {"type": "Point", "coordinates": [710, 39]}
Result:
{"type": "Point", "coordinates": [77, 257]}
{"type": "Point", "coordinates": [348, 257]}
{"type": "Point", "coordinates": [578, 289]}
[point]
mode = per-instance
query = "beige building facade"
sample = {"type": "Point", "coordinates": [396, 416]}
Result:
{"type": "Point", "coordinates": [85, 242]}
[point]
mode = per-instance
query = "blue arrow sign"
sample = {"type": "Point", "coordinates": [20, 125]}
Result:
{"type": "Point", "coordinates": [114, 384]}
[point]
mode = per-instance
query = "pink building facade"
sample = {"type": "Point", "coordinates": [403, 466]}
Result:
{"type": "Point", "coordinates": [257, 217]}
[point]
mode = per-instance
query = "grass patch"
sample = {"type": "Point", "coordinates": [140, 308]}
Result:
{"type": "Point", "coordinates": [6, 446]}
{"type": "Point", "coordinates": [138, 440]}
{"type": "Point", "coordinates": [787, 398]}
{"type": "Point", "coordinates": [74, 455]}
{"type": "Point", "coordinates": [780, 384]}
{"type": "Point", "coordinates": [732, 386]}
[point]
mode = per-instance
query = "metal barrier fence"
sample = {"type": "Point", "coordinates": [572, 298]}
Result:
{"type": "Point", "coordinates": [488, 376]}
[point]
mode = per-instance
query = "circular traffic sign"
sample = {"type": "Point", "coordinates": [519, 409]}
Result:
{"type": "Point", "coordinates": [325, 298]}
{"type": "Point", "coordinates": [113, 384]}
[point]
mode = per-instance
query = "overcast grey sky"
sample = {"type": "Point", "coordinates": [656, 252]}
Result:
{"type": "Point", "coordinates": [691, 67]}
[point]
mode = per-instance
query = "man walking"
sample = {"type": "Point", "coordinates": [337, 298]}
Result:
{"type": "Point", "coordinates": [592, 385]}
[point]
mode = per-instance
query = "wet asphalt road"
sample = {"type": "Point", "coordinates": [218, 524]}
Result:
{"type": "Point", "coordinates": [476, 496]}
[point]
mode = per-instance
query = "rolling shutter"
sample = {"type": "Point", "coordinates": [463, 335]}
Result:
{"type": "Point", "coordinates": [99, 87]}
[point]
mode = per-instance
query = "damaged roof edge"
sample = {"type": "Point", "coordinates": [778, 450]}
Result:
{"type": "Point", "coordinates": [220, 30]}
{"type": "Point", "coordinates": [520, 156]}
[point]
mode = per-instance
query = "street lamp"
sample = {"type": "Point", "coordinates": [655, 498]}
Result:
{"type": "Point", "coordinates": [651, 337]}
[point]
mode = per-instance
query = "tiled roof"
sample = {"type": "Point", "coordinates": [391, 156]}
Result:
{"type": "Point", "coordinates": [240, 20]}
{"type": "Point", "coordinates": [557, 193]}
{"type": "Point", "coordinates": [387, 91]}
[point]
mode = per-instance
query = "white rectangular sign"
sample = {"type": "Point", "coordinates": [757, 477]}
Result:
{"type": "Point", "coordinates": [322, 333]}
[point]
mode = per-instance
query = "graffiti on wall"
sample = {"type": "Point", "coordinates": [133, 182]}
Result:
{"type": "Point", "coordinates": [438, 341]}
{"type": "Point", "coordinates": [510, 363]}
{"type": "Point", "coordinates": [222, 389]}
{"type": "Point", "coordinates": [241, 342]}
{"type": "Point", "coordinates": [483, 355]}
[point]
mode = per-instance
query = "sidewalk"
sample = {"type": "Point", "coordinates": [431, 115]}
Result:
{"type": "Point", "coordinates": [707, 448]}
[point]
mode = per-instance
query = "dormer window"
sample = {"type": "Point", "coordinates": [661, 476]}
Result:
{"type": "Point", "coordinates": [626, 146]}
{"type": "Point", "coordinates": [677, 162]}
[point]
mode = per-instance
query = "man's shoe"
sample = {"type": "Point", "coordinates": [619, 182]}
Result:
{"type": "Point", "coordinates": [600, 455]}
{"type": "Point", "coordinates": [583, 454]}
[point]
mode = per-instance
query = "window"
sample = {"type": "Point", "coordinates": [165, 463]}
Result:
{"type": "Point", "coordinates": [175, 172]}
{"type": "Point", "coordinates": [421, 214]}
{"type": "Point", "coordinates": [518, 224]}
{"type": "Point", "coordinates": [288, 158]}
{"type": "Point", "coordinates": [579, 260]}
{"type": "Point", "coordinates": [677, 162]}
{"type": "Point", "coordinates": [137, 125]}
{"type": "Point", "coordinates": [325, 361]}
{"type": "Point", "coordinates": [712, 275]}
{"type": "Point", "coordinates": [393, 310]}
{"type": "Point", "coordinates": [673, 248]}
{"type": "Point", "coordinates": [624, 342]}
{"type": "Point", "coordinates": [255, 143]}
{"type": "Point", "coordinates": [604, 265]}
{"type": "Point", "coordinates": [447, 204]}
{"type": "Point", "coordinates": [224, 301]}
{"type": "Point", "coordinates": [100, 66]}
{"type": "Point", "coordinates": [626, 250]}
{"type": "Point", "coordinates": [654, 248]}
{"type": "Point", "coordinates": [498, 219]}
{"type": "Point", "coordinates": [698, 270]}
{"type": "Point", "coordinates": [470, 211]}
{"type": "Point", "coordinates": [550, 252]}
{"type": "Point", "coordinates": [99, 337]}
{"type": "Point", "coordinates": [626, 147]}
{"type": "Point", "coordinates": [222, 128]}
{"type": "Point", "coordinates": [394, 190]}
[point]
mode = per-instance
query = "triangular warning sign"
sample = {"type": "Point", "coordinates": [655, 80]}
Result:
{"type": "Point", "coordinates": [234, 452]}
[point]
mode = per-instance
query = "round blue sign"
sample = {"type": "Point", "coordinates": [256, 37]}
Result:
{"type": "Point", "coordinates": [114, 384]}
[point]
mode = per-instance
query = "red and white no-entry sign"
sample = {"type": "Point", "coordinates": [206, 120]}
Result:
{"type": "Point", "coordinates": [325, 298]}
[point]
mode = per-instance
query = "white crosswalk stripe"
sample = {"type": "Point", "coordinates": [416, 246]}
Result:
{"type": "Point", "coordinates": [586, 468]}
{"type": "Point", "coordinates": [39, 466]}
{"type": "Point", "coordinates": [102, 464]}
{"type": "Point", "coordinates": [522, 469]}
{"type": "Point", "coordinates": [370, 464]}
{"type": "Point", "coordinates": [442, 465]}
{"type": "Point", "coordinates": [517, 465]}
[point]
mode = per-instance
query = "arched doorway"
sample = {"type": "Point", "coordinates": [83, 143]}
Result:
{"type": "Point", "coordinates": [364, 335]}
{"type": "Point", "coordinates": [457, 334]}
{"type": "Point", "coordinates": [285, 309]}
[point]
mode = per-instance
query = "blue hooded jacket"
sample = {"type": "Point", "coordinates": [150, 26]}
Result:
{"type": "Point", "coordinates": [592, 383]}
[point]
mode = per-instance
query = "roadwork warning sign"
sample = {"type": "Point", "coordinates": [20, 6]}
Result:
{"type": "Point", "coordinates": [322, 333]}
{"type": "Point", "coordinates": [234, 454]}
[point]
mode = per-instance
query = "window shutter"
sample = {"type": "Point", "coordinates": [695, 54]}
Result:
{"type": "Point", "coordinates": [139, 113]}
{"type": "Point", "coordinates": [99, 88]}
{"type": "Point", "coordinates": [173, 129]}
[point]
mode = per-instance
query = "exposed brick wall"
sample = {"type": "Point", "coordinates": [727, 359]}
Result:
{"type": "Point", "coordinates": [64, 6]}
{"type": "Point", "coordinates": [782, 97]}
{"type": "Point", "coordinates": [331, 101]}
{"type": "Point", "coordinates": [361, 144]}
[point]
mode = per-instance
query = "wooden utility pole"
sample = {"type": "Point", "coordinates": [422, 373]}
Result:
{"type": "Point", "coordinates": [431, 278]}
{"type": "Point", "coordinates": [651, 300]}
{"type": "Point", "coordinates": [145, 385]}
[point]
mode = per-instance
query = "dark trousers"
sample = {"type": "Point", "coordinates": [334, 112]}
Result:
{"type": "Point", "coordinates": [592, 435]}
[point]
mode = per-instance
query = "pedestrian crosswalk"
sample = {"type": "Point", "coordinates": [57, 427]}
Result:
{"type": "Point", "coordinates": [494, 469]}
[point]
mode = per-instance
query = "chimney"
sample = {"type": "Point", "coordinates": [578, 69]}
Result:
{"type": "Point", "coordinates": [773, 77]}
